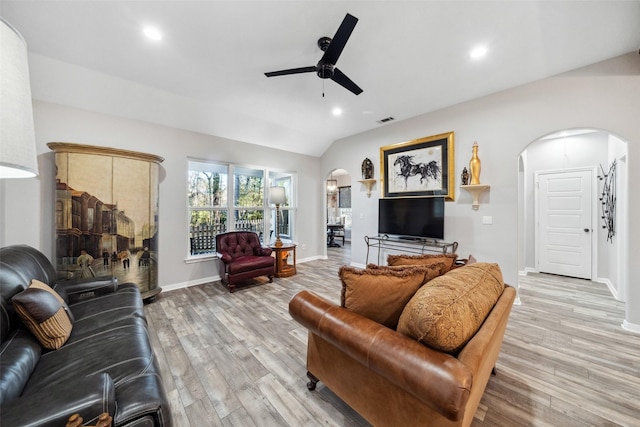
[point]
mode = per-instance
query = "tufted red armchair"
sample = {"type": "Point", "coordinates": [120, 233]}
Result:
{"type": "Point", "coordinates": [243, 257]}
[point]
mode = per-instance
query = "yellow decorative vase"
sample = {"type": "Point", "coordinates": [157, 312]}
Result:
{"type": "Point", "coordinates": [474, 166]}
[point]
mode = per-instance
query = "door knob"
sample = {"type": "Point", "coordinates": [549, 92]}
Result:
{"type": "Point", "coordinates": [586, 230]}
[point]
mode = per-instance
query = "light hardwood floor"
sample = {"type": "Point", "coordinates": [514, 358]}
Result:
{"type": "Point", "coordinates": [239, 359]}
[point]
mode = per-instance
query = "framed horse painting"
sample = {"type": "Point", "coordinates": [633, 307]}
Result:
{"type": "Point", "coordinates": [419, 168]}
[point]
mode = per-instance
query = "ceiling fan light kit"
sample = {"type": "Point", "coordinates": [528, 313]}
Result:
{"type": "Point", "coordinates": [332, 48]}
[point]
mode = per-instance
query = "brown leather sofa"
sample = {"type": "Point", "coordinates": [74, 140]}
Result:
{"type": "Point", "coordinates": [391, 379]}
{"type": "Point", "coordinates": [242, 257]}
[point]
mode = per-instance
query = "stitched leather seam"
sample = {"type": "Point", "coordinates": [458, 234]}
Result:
{"type": "Point", "coordinates": [107, 311]}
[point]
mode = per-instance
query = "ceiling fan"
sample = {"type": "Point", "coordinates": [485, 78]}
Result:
{"type": "Point", "coordinates": [332, 48]}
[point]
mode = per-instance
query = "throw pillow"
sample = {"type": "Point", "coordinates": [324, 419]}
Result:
{"type": "Point", "coordinates": [424, 259]}
{"type": "Point", "coordinates": [45, 314]}
{"type": "Point", "coordinates": [445, 314]}
{"type": "Point", "coordinates": [380, 294]}
{"type": "Point", "coordinates": [431, 270]}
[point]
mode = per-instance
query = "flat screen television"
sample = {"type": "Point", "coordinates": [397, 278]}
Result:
{"type": "Point", "coordinates": [418, 217]}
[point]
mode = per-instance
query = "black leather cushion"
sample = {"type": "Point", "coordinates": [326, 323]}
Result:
{"type": "Point", "coordinates": [45, 314]}
{"type": "Point", "coordinates": [51, 407]}
{"type": "Point", "coordinates": [122, 351]}
{"type": "Point", "coordinates": [19, 355]}
{"type": "Point", "coordinates": [115, 309]}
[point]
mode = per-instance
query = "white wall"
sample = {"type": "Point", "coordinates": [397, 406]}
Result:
{"type": "Point", "coordinates": [28, 204]}
{"type": "Point", "coordinates": [619, 254]}
{"type": "Point", "coordinates": [603, 96]}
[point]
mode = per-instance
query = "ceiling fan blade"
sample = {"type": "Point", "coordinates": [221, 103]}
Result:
{"type": "Point", "coordinates": [334, 50]}
{"type": "Point", "coordinates": [291, 71]}
{"type": "Point", "coordinates": [344, 81]}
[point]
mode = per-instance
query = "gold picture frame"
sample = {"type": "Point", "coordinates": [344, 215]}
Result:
{"type": "Point", "coordinates": [423, 167]}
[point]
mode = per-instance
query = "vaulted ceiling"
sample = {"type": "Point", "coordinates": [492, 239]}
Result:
{"type": "Point", "coordinates": [207, 72]}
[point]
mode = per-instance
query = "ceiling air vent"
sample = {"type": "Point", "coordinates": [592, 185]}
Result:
{"type": "Point", "coordinates": [386, 119]}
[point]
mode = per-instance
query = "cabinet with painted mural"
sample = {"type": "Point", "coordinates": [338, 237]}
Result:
{"type": "Point", "coordinates": [107, 214]}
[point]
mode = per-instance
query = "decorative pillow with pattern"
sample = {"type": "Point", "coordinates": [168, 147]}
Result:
{"type": "Point", "coordinates": [446, 313]}
{"type": "Point", "coordinates": [424, 259]}
{"type": "Point", "coordinates": [381, 293]}
{"type": "Point", "coordinates": [45, 314]}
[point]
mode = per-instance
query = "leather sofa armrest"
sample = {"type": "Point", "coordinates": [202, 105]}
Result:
{"type": "Point", "coordinates": [437, 379]}
{"type": "Point", "coordinates": [89, 396]}
{"type": "Point", "coordinates": [79, 289]}
{"type": "Point", "coordinates": [264, 251]}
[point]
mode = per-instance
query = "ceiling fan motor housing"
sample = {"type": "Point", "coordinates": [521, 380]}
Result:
{"type": "Point", "coordinates": [325, 71]}
{"type": "Point", "coordinates": [323, 43]}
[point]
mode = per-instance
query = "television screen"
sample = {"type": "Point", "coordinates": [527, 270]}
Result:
{"type": "Point", "coordinates": [412, 217]}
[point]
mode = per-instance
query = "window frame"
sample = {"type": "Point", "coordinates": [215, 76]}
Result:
{"type": "Point", "coordinates": [231, 207]}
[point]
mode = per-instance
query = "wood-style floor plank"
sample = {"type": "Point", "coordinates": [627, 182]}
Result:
{"type": "Point", "coordinates": [238, 360]}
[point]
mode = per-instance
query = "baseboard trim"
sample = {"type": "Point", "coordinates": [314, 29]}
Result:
{"type": "Point", "coordinates": [612, 288]}
{"type": "Point", "coordinates": [526, 271]}
{"type": "Point", "coordinates": [631, 327]}
{"type": "Point", "coordinates": [311, 258]}
{"type": "Point", "coordinates": [182, 285]}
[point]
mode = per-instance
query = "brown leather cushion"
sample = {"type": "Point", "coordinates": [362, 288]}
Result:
{"type": "Point", "coordinates": [424, 259]}
{"type": "Point", "coordinates": [381, 293]}
{"type": "Point", "coordinates": [447, 312]}
{"type": "Point", "coordinates": [45, 314]}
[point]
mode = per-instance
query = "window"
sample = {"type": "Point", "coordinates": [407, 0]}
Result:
{"type": "Point", "coordinates": [344, 206]}
{"type": "Point", "coordinates": [285, 180]}
{"type": "Point", "coordinates": [225, 197]}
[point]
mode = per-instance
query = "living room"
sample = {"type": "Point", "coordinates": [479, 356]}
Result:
{"type": "Point", "coordinates": [74, 103]}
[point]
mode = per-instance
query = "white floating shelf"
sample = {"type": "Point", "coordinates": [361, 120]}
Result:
{"type": "Point", "coordinates": [475, 191]}
{"type": "Point", "coordinates": [369, 184]}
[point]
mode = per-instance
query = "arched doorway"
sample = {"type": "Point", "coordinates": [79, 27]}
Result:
{"type": "Point", "coordinates": [569, 151]}
{"type": "Point", "coordinates": [338, 212]}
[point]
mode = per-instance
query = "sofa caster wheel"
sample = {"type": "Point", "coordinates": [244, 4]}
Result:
{"type": "Point", "coordinates": [311, 385]}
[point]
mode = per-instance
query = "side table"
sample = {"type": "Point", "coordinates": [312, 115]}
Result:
{"type": "Point", "coordinates": [285, 264]}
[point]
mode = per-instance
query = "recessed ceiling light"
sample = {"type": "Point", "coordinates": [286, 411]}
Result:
{"type": "Point", "coordinates": [337, 111]}
{"type": "Point", "coordinates": [478, 52]}
{"type": "Point", "coordinates": [152, 33]}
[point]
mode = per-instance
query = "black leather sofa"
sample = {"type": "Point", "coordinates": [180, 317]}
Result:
{"type": "Point", "coordinates": [106, 365]}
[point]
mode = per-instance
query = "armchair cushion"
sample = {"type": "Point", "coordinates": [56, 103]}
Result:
{"type": "Point", "coordinates": [248, 263]}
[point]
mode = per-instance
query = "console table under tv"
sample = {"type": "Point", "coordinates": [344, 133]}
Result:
{"type": "Point", "coordinates": [417, 246]}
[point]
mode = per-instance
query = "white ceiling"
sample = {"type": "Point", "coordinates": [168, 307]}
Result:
{"type": "Point", "coordinates": [410, 57]}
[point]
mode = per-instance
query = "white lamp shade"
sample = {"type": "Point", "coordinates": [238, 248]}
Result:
{"type": "Point", "coordinates": [277, 195]}
{"type": "Point", "coordinates": [17, 136]}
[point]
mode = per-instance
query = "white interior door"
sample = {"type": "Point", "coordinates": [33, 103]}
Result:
{"type": "Point", "coordinates": [564, 223]}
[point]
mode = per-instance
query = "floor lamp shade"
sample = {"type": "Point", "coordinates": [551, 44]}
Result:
{"type": "Point", "coordinates": [276, 195]}
{"type": "Point", "coordinates": [17, 137]}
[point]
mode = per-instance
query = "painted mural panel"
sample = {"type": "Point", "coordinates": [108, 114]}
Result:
{"type": "Point", "coordinates": [107, 214]}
